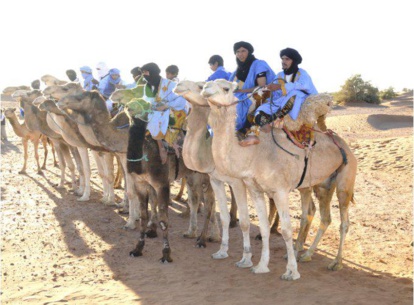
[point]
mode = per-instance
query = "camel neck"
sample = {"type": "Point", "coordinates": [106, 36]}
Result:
{"type": "Point", "coordinates": [17, 127]}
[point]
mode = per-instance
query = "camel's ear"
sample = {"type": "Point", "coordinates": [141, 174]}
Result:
{"type": "Point", "coordinates": [13, 109]}
{"type": "Point", "coordinates": [200, 84]}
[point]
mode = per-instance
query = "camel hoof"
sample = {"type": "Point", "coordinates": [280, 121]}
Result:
{"type": "Point", "coordinates": [201, 243]}
{"type": "Point", "coordinates": [335, 266]}
{"type": "Point", "coordinates": [305, 258]}
{"type": "Point", "coordinates": [83, 199]}
{"type": "Point", "coordinates": [109, 203]}
{"type": "Point", "coordinates": [233, 223]}
{"type": "Point", "coordinates": [214, 239]}
{"type": "Point", "coordinates": [244, 263]}
{"type": "Point", "coordinates": [166, 258]}
{"type": "Point", "coordinates": [40, 173]}
{"type": "Point", "coordinates": [189, 235]}
{"type": "Point", "coordinates": [129, 226]}
{"type": "Point", "coordinates": [22, 172]}
{"type": "Point", "coordinates": [78, 192]}
{"type": "Point", "coordinates": [259, 269]}
{"type": "Point", "coordinates": [219, 255]}
{"type": "Point", "coordinates": [290, 276]}
{"type": "Point", "coordinates": [135, 253]}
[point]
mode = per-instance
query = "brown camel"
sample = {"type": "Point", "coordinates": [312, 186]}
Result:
{"type": "Point", "coordinates": [265, 168]}
{"type": "Point", "coordinates": [27, 135]}
{"type": "Point", "coordinates": [36, 120]}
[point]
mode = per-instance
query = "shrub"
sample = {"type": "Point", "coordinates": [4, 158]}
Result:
{"type": "Point", "coordinates": [388, 94]}
{"type": "Point", "coordinates": [356, 89]}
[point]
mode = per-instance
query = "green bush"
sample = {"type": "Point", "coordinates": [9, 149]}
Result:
{"type": "Point", "coordinates": [356, 89]}
{"type": "Point", "coordinates": [388, 94]}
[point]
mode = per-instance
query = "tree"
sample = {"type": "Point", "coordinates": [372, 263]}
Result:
{"type": "Point", "coordinates": [356, 89]}
{"type": "Point", "coordinates": [388, 94]}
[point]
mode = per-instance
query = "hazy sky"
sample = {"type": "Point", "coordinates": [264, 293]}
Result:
{"type": "Point", "coordinates": [336, 39]}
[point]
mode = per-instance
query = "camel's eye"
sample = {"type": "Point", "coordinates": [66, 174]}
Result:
{"type": "Point", "coordinates": [226, 90]}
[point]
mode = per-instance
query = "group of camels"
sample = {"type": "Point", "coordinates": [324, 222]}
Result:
{"type": "Point", "coordinates": [75, 121]}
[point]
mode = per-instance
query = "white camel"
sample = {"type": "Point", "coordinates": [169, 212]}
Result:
{"type": "Point", "coordinates": [266, 168]}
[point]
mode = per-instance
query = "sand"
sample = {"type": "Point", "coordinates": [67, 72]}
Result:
{"type": "Point", "coordinates": [57, 250]}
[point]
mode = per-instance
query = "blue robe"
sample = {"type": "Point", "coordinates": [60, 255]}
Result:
{"type": "Point", "coordinates": [219, 73]}
{"type": "Point", "coordinates": [301, 88]}
{"type": "Point", "coordinates": [258, 66]}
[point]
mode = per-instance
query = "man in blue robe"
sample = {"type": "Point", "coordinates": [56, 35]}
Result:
{"type": "Point", "coordinates": [216, 63]}
{"type": "Point", "coordinates": [250, 73]}
{"type": "Point", "coordinates": [290, 89]}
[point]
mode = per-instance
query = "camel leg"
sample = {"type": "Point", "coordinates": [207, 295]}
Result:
{"type": "Point", "coordinates": [260, 204]}
{"type": "Point", "coordinates": [324, 193]}
{"type": "Point", "coordinates": [119, 174]}
{"type": "Point", "coordinates": [55, 163]}
{"type": "Point", "coordinates": [99, 160]}
{"type": "Point", "coordinates": [233, 210]}
{"type": "Point", "coordinates": [134, 204]}
{"type": "Point", "coordinates": [308, 212]}
{"type": "Point", "coordinates": [180, 193]}
{"type": "Point", "coordinates": [109, 176]}
{"type": "Point", "coordinates": [143, 207]}
{"type": "Point", "coordinates": [44, 143]}
{"type": "Point", "coordinates": [210, 213]}
{"type": "Point", "coordinates": [193, 204]}
{"type": "Point", "coordinates": [83, 152]}
{"type": "Point", "coordinates": [271, 219]}
{"type": "Point", "coordinates": [68, 158]}
{"type": "Point", "coordinates": [25, 154]}
{"type": "Point", "coordinates": [151, 231]}
{"type": "Point", "coordinates": [79, 166]}
{"type": "Point", "coordinates": [36, 154]}
{"type": "Point", "coordinates": [62, 164]}
{"type": "Point", "coordinates": [124, 205]}
{"type": "Point", "coordinates": [344, 197]}
{"type": "Point", "coordinates": [282, 204]}
{"type": "Point", "coordinates": [163, 199]}
{"type": "Point", "coordinates": [220, 192]}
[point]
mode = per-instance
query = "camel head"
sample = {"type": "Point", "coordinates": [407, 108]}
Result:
{"type": "Point", "coordinates": [9, 112]}
{"type": "Point", "coordinates": [10, 90]}
{"type": "Point", "coordinates": [26, 96]}
{"type": "Point", "coordinates": [84, 102]}
{"type": "Point", "coordinates": [49, 106]}
{"type": "Point", "coordinates": [38, 101]}
{"type": "Point", "coordinates": [60, 91]}
{"type": "Point", "coordinates": [50, 80]}
{"type": "Point", "coordinates": [191, 91]}
{"type": "Point", "coordinates": [219, 92]}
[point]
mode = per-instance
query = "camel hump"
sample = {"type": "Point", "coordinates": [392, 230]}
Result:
{"type": "Point", "coordinates": [313, 107]}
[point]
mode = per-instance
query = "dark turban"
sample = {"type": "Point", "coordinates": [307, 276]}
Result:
{"type": "Point", "coordinates": [35, 84]}
{"type": "Point", "coordinates": [292, 54]}
{"type": "Point", "coordinates": [243, 44]}
{"type": "Point", "coordinates": [71, 75]}
{"type": "Point", "coordinates": [136, 72]}
{"type": "Point", "coordinates": [154, 77]}
{"type": "Point", "coordinates": [152, 68]}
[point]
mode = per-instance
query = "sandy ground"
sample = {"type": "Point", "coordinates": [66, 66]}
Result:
{"type": "Point", "coordinates": [57, 250]}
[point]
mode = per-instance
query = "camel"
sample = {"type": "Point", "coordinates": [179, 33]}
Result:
{"type": "Point", "coordinates": [83, 137]}
{"type": "Point", "coordinates": [154, 173]}
{"type": "Point", "coordinates": [10, 90]}
{"type": "Point", "coordinates": [36, 121]}
{"type": "Point", "coordinates": [50, 80]}
{"type": "Point", "coordinates": [265, 168]}
{"type": "Point", "coordinates": [27, 135]}
{"type": "Point", "coordinates": [92, 105]}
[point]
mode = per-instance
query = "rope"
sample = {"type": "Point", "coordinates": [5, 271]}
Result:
{"type": "Point", "coordinates": [143, 158]}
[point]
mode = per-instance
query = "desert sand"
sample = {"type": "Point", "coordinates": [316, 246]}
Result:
{"type": "Point", "coordinates": [57, 250]}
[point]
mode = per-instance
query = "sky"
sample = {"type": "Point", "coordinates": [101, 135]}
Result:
{"type": "Point", "coordinates": [337, 39]}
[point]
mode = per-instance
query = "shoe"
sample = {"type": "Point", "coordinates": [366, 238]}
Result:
{"type": "Point", "coordinates": [250, 140]}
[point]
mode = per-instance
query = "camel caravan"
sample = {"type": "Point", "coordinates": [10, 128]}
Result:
{"type": "Point", "coordinates": [190, 135]}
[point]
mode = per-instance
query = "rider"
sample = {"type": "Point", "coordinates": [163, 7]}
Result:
{"type": "Point", "coordinates": [89, 83]}
{"type": "Point", "coordinates": [291, 87]}
{"type": "Point", "coordinates": [250, 73]}
{"type": "Point", "coordinates": [165, 104]}
{"type": "Point", "coordinates": [216, 63]}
